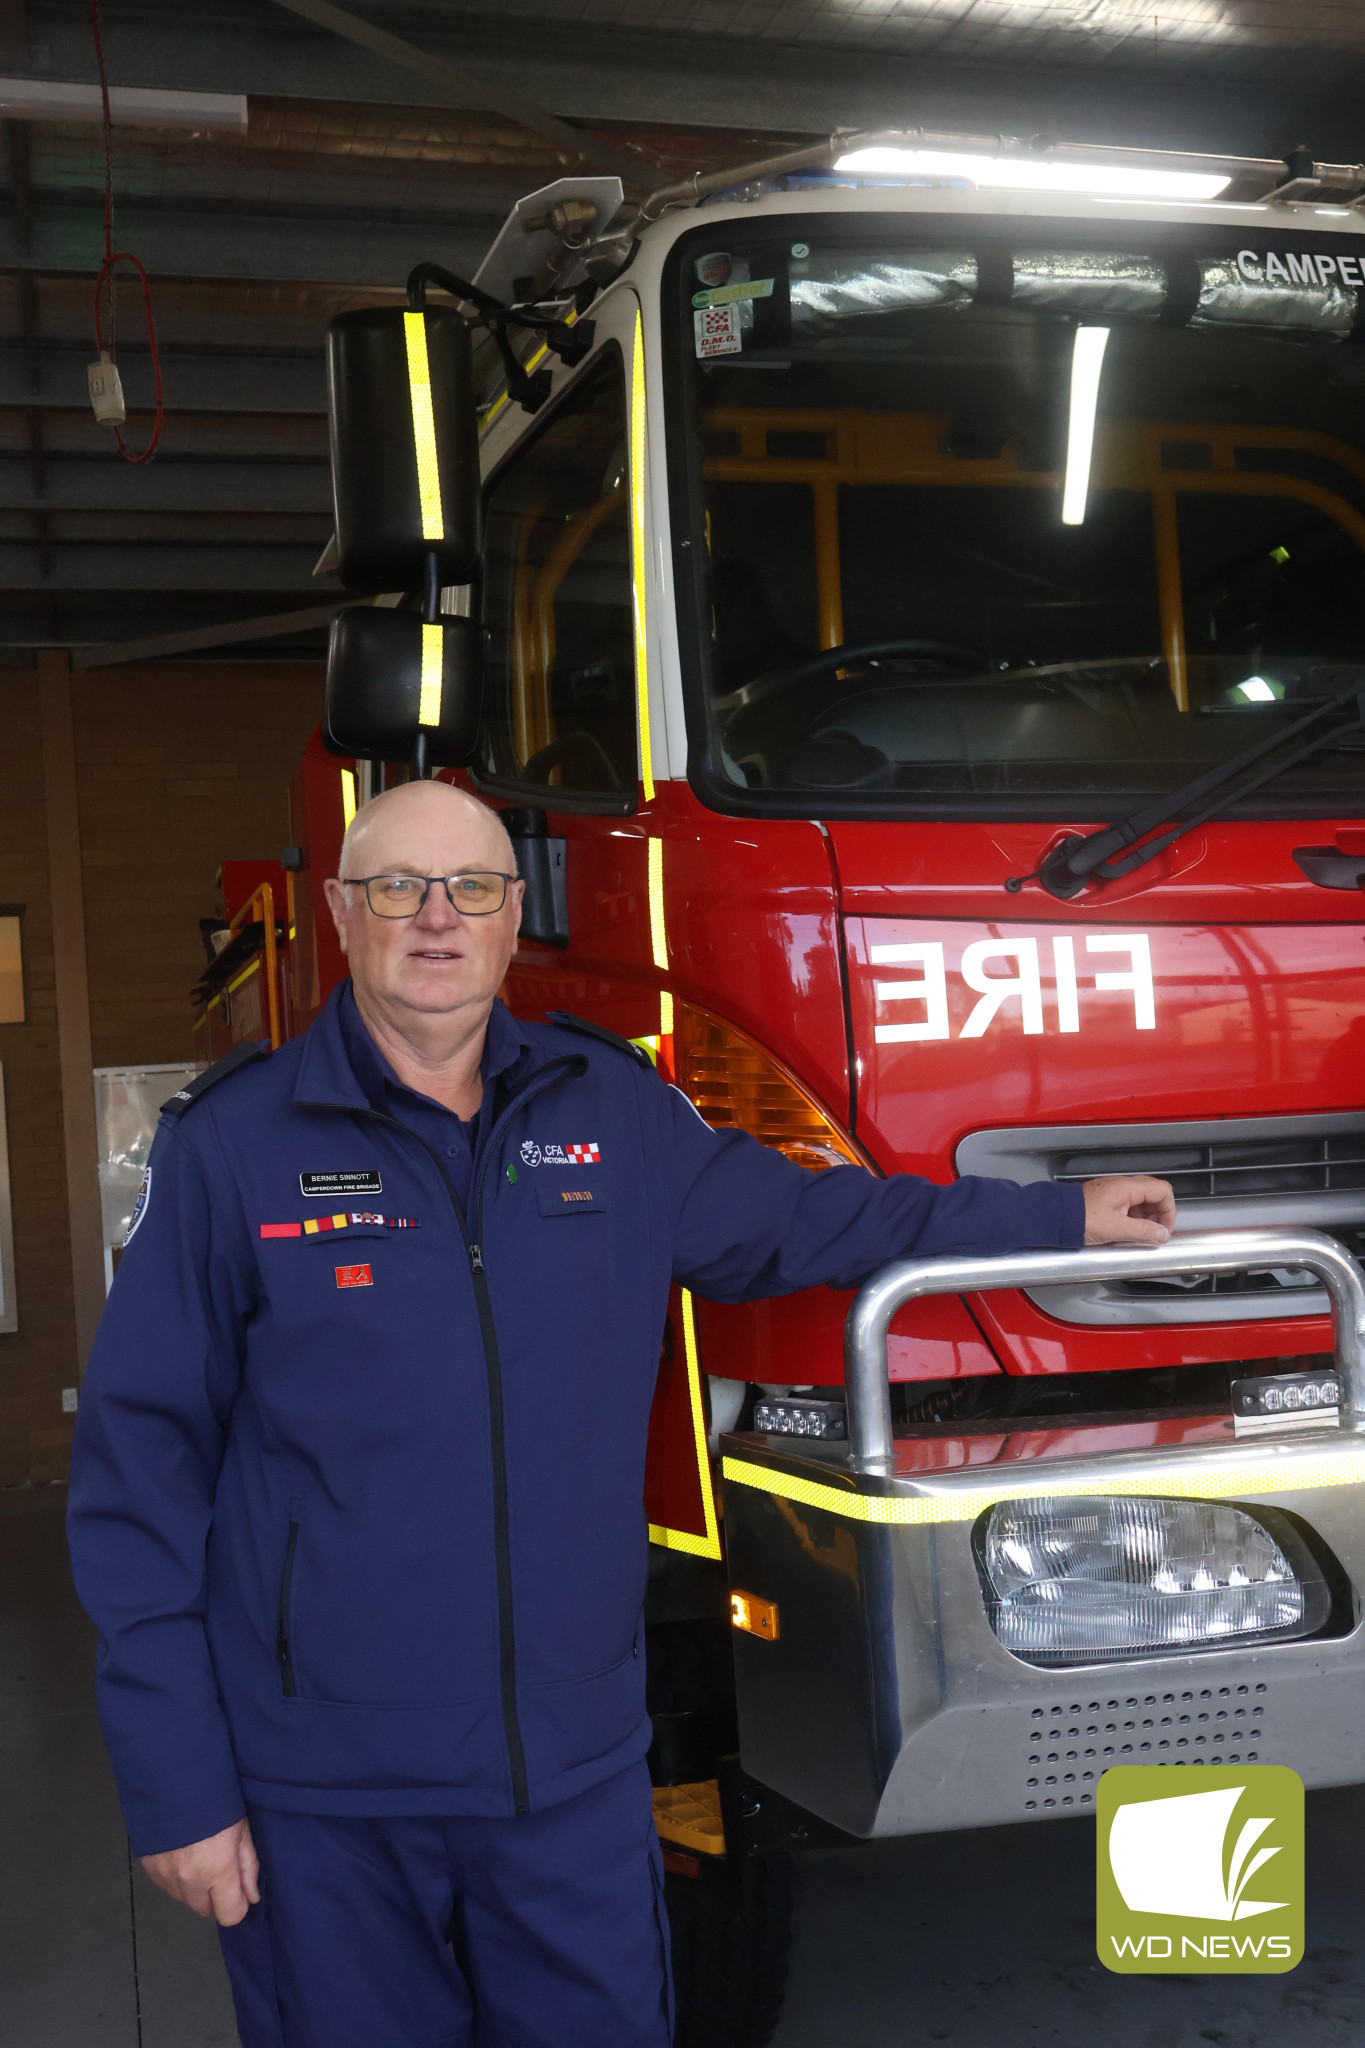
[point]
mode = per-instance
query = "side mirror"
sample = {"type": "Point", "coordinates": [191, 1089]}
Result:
{"type": "Point", "coordinates": [405, 453]}
{"type": "Point", "coordinates": [405, 489]}
{"type": "Point", "coordinates": [400, 689]}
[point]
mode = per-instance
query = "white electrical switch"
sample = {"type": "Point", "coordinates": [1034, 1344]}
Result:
{"type": "Point", "coordinates": [68, 1400]}
{"type": "Point", "coordinates": [106, 391]}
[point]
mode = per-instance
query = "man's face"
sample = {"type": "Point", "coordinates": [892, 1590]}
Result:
{"type": "Point", "coordinates": [440, 960]}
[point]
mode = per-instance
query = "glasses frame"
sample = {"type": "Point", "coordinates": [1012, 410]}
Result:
{"type": "Point", "coordinates": [428, 884]}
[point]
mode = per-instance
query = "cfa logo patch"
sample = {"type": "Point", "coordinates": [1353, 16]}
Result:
{"type": "Point", "coordinates": [1197, 1882]}
{"type": "Point", "coordinates": [144, 1196]}
{"type": "Point", "coordinates": [560, 1155]}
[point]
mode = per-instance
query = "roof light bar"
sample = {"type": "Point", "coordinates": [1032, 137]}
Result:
{"type": "Point", "coordinates": [1036, 174]}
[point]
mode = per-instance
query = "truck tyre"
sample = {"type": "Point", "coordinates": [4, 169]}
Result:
{"type": "Point", "coordinates": [731, 1939]}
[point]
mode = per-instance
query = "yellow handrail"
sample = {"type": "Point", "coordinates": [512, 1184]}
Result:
{"type": "Point", "coordinates": [265, 897]}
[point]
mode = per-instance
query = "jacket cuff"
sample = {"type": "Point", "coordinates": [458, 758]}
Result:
{"type": "Point", "coordinates": [1070, 1199]}
{"type": "Point", "coordinates": [155, 1834]}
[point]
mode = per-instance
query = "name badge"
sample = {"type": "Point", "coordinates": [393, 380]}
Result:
{"type": "Point", "coordinates": [343, 1180]}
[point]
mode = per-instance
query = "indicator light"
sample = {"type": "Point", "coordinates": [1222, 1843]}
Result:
{"type": "Point", "coordinates": [754, 1617]}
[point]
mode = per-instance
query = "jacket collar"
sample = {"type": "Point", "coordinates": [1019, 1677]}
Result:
{"type": "Point", "coordinates": [342, 1068]}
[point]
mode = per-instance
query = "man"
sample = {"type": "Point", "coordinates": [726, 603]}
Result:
{"type": "Point", "coordinates": [356, 1497]}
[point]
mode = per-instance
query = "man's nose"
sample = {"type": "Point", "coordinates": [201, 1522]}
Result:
{"type": "Point", "coordinates": [438, 913]}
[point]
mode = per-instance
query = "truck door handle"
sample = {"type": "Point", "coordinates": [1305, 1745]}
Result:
{"type": "Point", "coordinates": [1330, 868]}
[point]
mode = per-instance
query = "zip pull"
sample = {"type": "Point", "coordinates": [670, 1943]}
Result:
{"type": "Point", "coordinates": [476, 1258]}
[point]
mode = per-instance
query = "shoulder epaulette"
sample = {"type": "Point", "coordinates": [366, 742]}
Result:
{"type": "Point", "coordinates": [241, 1056]}
{"type": "Point", "coordinates": [571, 1023]}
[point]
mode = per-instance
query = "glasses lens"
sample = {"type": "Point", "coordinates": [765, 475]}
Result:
{"type": "Point", "coordinates": [395, 895]}
{"type": "Point", "coordinates": [477, 895]}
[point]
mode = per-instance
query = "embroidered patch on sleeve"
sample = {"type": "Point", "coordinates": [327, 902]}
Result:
{"type": "Point", "coordinates": [354, 1276]}
{"type": "Point", "coordinates": [144, 1196]}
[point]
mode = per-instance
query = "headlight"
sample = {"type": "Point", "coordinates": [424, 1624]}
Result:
{"type": "Point", "coordinates": [1079, 1580]}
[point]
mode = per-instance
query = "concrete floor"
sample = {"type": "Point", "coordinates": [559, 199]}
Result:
{"type": "Point", "coordinates": [980, 1940]}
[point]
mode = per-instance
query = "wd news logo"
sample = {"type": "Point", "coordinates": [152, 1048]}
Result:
{"type": "Point", "coordinates": [1199, 1881]}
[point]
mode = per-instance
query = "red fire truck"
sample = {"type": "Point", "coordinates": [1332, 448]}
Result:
{"type": "Point", "coordinates": [911, 619]}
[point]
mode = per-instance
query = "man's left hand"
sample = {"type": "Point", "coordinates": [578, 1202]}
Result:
{"type": "Point", "coordinates": [1128, 1208]}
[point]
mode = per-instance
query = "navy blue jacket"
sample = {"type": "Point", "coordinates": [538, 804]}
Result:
{"type": "Point", "coordinates": [358, 1511]}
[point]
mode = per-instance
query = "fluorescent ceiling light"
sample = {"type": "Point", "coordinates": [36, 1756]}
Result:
{"type": "Point", "coordinates": [1087, 359]}
{"type": "Point", "coordinates": [41, 99]}
{"type": "Point", "coordinates": [1257, 690]}
{"type": "Point", "coordinates": [1028, 174]}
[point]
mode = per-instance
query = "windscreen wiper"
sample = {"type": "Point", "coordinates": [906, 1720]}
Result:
{"type": "Point", "coordinates": [1093, 856]}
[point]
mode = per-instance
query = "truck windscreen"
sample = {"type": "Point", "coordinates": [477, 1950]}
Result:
{"type": "Point", "coordinates": [1004, 530]}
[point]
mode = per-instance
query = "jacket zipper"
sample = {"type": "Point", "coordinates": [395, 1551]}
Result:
{"type": "Point", "coordinates": [502, 1551]}
{"type": "Point", "coordinates": [282, 1651]}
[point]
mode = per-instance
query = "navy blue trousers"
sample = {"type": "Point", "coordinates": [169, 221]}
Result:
{"type": "Point", "coordinates": [547, 1931]}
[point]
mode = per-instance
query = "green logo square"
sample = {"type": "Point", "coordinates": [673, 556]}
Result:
{"type": "Point", "coordinates": [1199, 1872]}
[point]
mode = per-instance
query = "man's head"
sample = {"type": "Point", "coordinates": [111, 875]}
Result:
{"type": "Point", "coordinates": [441, 960]}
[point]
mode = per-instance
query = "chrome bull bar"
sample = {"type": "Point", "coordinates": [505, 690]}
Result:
{"type": "Point", "coordinates": [865, 1373]}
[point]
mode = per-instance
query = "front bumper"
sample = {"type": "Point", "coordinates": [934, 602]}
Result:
{"type": "Point", "coordinates": [888, 1707]}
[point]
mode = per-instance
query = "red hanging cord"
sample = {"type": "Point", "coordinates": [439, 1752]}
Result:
{"type": "Point", "coordinates": [112, 259]}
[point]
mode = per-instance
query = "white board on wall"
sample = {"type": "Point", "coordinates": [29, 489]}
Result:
{"type": "Point", "coordinates": [9, 1308]}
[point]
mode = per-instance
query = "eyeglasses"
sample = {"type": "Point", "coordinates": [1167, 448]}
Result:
{"type": "Point", "coordinates": [475, 893]}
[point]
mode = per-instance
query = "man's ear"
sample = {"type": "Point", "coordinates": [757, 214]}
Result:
{"type": "Point", "coordinates": [335, 893]}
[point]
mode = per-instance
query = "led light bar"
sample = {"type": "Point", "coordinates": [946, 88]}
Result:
{"type": "Point", "coordinates": [827, 1419]}
{"type": "Point", "coordinates": [1025, 174]}
{"type": "Point", "coordinates": [1287, 1400]}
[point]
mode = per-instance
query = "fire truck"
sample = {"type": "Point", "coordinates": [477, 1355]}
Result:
{"type": "Point", "coordinates": [906, 600]}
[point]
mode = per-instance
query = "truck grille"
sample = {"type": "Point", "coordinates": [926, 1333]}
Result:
{"type": "Point", "coordinates": [1222, 1171]}
{"type": "Point", "coordinates": [1227, 1173]}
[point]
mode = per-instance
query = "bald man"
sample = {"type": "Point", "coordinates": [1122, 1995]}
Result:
{"type": "Point", "coordinates": [356, 1493]}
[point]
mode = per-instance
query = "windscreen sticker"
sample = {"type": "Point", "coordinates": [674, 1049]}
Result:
{"type": "Point", "coordinates": [735, 294]}
{"type": "Point", "coordinates": [717, 331]}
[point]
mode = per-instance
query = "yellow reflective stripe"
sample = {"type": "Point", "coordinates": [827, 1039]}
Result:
{"type": "Point", "coordinates": [1222, 1480]}
{"type": "Point", "coordinates": [665, 1015]}
{"type": "Point", "coordinates": [423, 427]}
{"type": "Point", "coordinates": [433, 668]}
{"type": "Point", "coordinates": [682, 1539]}
{"type": "Point", "coordinates": [245, 975]}
{"type": "Point", "coordinates": [347, 798]}
{"type": "Point", "coordinates": [637, 551]}
{"type": "Point", "coordinates": [658, 930]}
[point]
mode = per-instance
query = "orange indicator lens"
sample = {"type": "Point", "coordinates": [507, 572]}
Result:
{"type": "Point", "coordinates": [756, 1617]}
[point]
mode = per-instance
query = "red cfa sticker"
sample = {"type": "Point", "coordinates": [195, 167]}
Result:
{"type": "Point", "coordinates": [354, 1276]}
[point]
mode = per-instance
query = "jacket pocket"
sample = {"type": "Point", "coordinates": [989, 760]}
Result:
{"type": "Point", "coordinates": [284, 1652]}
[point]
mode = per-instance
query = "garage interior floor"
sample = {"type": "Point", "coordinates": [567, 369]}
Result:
{"type": "Point", "coordinates": [977, 1939]}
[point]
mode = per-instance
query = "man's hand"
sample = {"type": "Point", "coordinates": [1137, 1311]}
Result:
{"type": "Point", "coordinates": [217, 1878]}
{"type": "Point", "coordinates": [1128, 1208]}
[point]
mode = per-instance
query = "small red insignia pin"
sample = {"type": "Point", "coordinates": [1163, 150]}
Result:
{"type": "Point", "coordinates": [354, 1276]}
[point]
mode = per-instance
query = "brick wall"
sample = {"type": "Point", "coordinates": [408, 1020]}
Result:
{"type": "Point", "coordinates": [38, 1359]}
{"type": "Point", "coordinates": [177, 769]}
